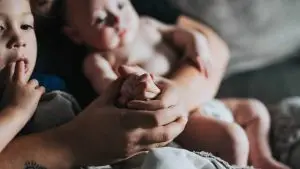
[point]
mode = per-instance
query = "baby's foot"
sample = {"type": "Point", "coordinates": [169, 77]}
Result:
{"type": "Point", "coordinates": [270, 164]}
{"type": "Point", "coordinates": [138, 88]}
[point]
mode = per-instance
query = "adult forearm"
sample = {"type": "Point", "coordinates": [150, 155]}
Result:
{"type": "Point", "coordinates": [198, 88]}
{"type": "Point", "coordinates": [194, 87]}
{"type": "Point", "coordinates": [48, 150]}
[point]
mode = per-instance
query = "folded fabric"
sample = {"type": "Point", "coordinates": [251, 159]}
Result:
{"type": "Point", "coordinates": [175, 158]}
{"type": "Point", "coordinates": [54, 109]}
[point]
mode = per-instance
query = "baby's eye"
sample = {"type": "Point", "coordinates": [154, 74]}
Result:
{"type": "Point", "coordinates": [26, 27]}
{"type": "Point", "coordinates": [101, 18]}
{"type": "Point", "coordinates": [121, 5]}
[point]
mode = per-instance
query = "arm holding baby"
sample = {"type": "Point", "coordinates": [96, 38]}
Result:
{"type": "Point", "coordinates": [190, 85]}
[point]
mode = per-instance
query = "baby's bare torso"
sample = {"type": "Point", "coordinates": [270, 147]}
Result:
{"type": "Point", "coordinates": [149, 51]}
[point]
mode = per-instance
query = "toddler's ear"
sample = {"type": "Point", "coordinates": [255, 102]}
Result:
{"type": "Point", "coordinates": [72, 34]}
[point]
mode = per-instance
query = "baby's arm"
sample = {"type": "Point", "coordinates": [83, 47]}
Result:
{"type": "Point", "coordinates": [137, 87]}
{"type": "Point", "coordinates": [193, 87]}
{"type": "Point", "coordinates": [19, 103]}
{"type": "Point", "coordinates": [99, 72]}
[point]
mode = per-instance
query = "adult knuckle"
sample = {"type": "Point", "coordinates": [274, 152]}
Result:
{"type": "Point", "coordinates": [165, 137]}
{"type": "Point", "coordinates": [131, 138]}
{"type": "Point", "coordinates": [129, 145]}
{"type": "Point", "coordinates": [163, 103]}
{"type": "Point", "coordinates": [156, 118]}
{"type": "Point", "coordinates": [127, 139]}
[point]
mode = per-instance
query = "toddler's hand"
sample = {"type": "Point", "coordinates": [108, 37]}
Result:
{"type": "Point", "coordinates": [137, 87]}
{"type": "Point", "coordinates": [21, 94]}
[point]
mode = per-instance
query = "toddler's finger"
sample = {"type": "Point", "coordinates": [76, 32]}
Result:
{"type": "Point", "coordinates": [10, 70]}
{"type": "Point", "coordinates": [34, 83]}
{"type": "Point", "coordinates": [19, 73]}
{"type": "Point", "coordinates": [41, 89]}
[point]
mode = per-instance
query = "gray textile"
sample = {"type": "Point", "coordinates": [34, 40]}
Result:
{"type": "Point", "coordinates": [258, 32]}
{"type": "Point", "coordinates": [176, 158]}
{"type": "Point", "coordinates": [286, 131]}
{"type": "Point", "coordinates": [54, 109]}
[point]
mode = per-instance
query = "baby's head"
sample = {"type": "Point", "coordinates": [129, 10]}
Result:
{"type": "Point", "coordinates": [101, 24]}
{"type": "Point", "coordinates": [43, 7]}
{"type": "Point", "coordinates": [17, 36]}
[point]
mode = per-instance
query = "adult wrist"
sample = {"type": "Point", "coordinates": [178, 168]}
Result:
{"type": "Point", "coordinates": [62, 142]}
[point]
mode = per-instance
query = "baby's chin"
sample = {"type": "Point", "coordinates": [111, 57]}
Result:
{"type": "Point", "coordinates": [116, 43]}
{"type": "Point", "coordinates": [126, 41]}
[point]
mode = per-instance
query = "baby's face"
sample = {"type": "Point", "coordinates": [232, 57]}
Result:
{"type": "Point", "coordinates": [17, 36]}
{"type": "Point", "coordinates": [103, 24]}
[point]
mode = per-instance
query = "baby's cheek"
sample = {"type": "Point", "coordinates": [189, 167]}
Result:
{"type": "Point", "coordinates": [111, 39]}
{"type": "Point", "coordinates": [2, 63]}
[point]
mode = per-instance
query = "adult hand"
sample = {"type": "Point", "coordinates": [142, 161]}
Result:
{"type": "Point", "coordinates": [170, 96]}
{"type": "Point", "coordinates": [104, 134]}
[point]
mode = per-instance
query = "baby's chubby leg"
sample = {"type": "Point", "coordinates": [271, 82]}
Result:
{"type": "Point", "coordinates": [224, 139]}
{"type": "Point", "coordinates": [254, 117]}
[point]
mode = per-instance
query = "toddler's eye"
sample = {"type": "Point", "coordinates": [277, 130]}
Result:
{"type": "Point", "coordinates": [2, 28]}
{"type": "Point", "coordinates": [26, 27]}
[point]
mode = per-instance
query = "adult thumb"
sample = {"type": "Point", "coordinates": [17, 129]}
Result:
{"type": "Point", "coordinates": [110, 95]}
{"type": "Point", "coordinates": [124, 70]}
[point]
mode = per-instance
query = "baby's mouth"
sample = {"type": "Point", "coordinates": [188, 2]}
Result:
{"type": "Point", "coordinates": [122, 33]}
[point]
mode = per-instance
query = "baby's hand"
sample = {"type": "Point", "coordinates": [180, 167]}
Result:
{"type": "Point", "coordinates": [137, 87]}
{"type": "Point", "coordinates": [21, 94]}
{"type": "Point", "coordinates": [196, 48]}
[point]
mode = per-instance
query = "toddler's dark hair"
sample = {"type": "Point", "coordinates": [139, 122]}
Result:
{"type": "Point", "coordinates": [49, 11]}
{"type": "Point", "coordinates": [48, 7]}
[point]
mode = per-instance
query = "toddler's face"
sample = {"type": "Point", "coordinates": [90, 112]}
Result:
{"type": "Point", "coordinates": [103, 24]}
{"type": "Point", "coordinates": [17, 36]}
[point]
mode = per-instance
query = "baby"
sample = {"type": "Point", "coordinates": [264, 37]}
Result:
{"type": "Point", "coordinates": [250, 114]}
{"type": "Point", "coordinates": [20, 96]}
{"type": "Point", "coordinates": [116, 36]}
